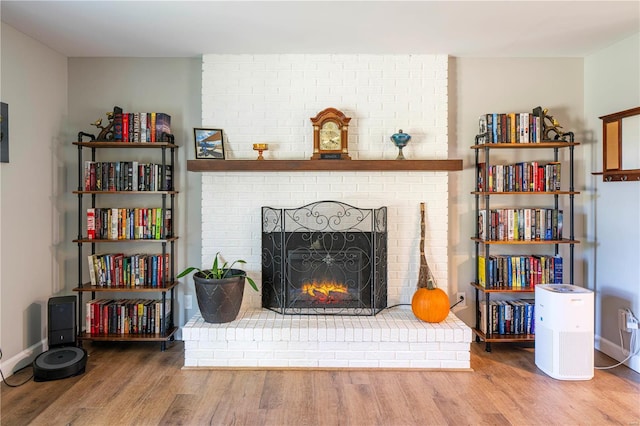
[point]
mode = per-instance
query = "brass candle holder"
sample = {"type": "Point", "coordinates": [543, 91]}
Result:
{"type": "Point", "coordinates": [260, 147]}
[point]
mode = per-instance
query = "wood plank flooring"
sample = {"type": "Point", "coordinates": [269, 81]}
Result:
{"type": "Point", "coordinates": [137, 384]}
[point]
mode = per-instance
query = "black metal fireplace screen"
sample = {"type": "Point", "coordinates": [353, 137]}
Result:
{"type": "Point", "coordinates": [324, 258]}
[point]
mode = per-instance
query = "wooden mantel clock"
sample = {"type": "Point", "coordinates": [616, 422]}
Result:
{"type": "Point", "coordinates": [330, 129]}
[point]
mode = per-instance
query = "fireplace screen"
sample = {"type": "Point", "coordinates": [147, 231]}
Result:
{"type": "Point", "coordinates": [324, 258]}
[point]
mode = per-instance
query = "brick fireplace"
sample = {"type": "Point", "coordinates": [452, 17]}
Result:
{"type": "Point", "coordinates": [270, 98]}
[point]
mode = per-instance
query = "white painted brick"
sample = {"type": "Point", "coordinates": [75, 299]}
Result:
{"type": "Point", "coordinates": [424, 347]}
{"type": "Point", "coordinates": [333, 363]}
{"type": "Point", "coordinates": [199, 354]}
{"type": "Point", "coordinates": [391, 354]}
{"type": "Point", "coordinates": [213, 363]}
{"type": "Point", "coordinates": [258, 354]}
{"type": "Point", "coordinates": [238, 99]}
{"type": "Point", "coordinates": [441, 355]}
{"type": "Point", "coordinates": [190, 362]}
{"type": "Point", "coordinates": [324, 355]}
{"type": "Point", "coordinates": [210, 344]}
{"type": "Point", "coordinates": [410, 355]}
{"type": "Point", "coordinates": [428, 363]}
{"type": "Point", "coordinates": [455, 364]}
{"type": "Point", "coordinates": [445, 346]}
{"type": "Point", "coordinates": [350, 355]}
{"type": "Point", "coordinates": [273, 363]}
{"type": "Point", "coordinates": [364, 363]}
{"type": "Point", "coordinates": [228, 354]}
{"type": "Point", "coordinates": [463, 355]}
{"type": "Point", "coordinates": [244, 362]}
{"type": "Point", "coordinates": [395, 363]}
{"type": "Point", "coordinates": [302, 363]}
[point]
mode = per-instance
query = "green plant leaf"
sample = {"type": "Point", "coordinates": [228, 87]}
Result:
{"type": "Point", "coordinates": [187, 271]}
{"type": "Point", "coordinates": [218, 272]}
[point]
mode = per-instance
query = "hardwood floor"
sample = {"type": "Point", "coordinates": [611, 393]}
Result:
{"type": "Point", "coordinates": [137, 384]}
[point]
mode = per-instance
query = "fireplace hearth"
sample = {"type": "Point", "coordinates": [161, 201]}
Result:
{"type": "Point", "coordinates": [324, 258]}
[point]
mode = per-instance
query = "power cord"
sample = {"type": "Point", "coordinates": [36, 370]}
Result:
{"type": "Point", "coordinates": [409, 304]}
{"type": "Point", "coordinates": [396, 305]}
{"type": "Point", "coordinates": [632, 344]}
{"type": "Point", "coordinates": [12, 385]}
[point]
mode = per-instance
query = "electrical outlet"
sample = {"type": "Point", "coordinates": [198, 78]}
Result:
{"type": "Point", "coordinates": [188, 301]}
{"type": "Point", "coordinates": [626, 320]}
{"type": "Point", "coordinates": [462, 298]}
{"type": "Point", "coordinates": [622, 319]}
{"type": "Point", "coordinates": [632, 321]}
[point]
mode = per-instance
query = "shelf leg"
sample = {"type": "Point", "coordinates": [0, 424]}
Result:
{"type": "Point", "coordinates": [487, 347]}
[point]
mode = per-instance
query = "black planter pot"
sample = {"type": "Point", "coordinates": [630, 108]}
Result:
{"type": "Point", "coordinates": [219, 300]}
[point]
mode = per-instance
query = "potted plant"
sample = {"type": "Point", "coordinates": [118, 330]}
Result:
{"type": "Point", "coordinates": [219, 290]}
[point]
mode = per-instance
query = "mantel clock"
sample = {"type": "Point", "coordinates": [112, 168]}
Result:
{"type": "Point", "coordinates": [330, 130]}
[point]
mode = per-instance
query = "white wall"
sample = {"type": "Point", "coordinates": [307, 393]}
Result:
{"type": "Point", "coordinates": [270, 98]}
{"type": "Point", "coordinates": [612, 84]}
{"type": "Point", "coordinates": [170, 85]}
{"type": "Point", "coordinates": [34, 85]}
{"type": "Point", "coordinates": [482, 85]}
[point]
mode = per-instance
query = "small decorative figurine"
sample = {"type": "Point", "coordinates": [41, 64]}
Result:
{"type": "Point", "coordinates": [401, 140]}
{"type": "Point", "coordinates": [106, 132]}
{"type": "Point", "coordinates": [549, 125]}
{"type": "Point", "coordinates": [260, 147]}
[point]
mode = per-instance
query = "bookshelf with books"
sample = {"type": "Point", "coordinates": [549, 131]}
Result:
{"type": "Point", "coordinates": [126, 238]}
{"type": "Point", "coordinates": [524, 236]}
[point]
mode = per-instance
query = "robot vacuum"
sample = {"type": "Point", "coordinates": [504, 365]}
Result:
{"type": "Point", "coordinates": [59, 363]}
{"type": "Point", "coordinates": [63, 359]}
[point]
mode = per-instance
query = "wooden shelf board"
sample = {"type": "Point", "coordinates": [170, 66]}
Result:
{"type": "Point", "coordinates": [126, 192]}
{"type": "Point", "coordinates": [547, 144]}
{"type": "Point", "coordinates": [526, 193]}
{"type": "Point", "coordinates": [503, 289]}
{"type": "Point", "coordinates": [322, 165]}
{"type": "Point", "coordinates": [526, 242]}
{"type": "Point", "coordinates": [93, 288]}
{"type": "Point", "coordinates": [134, 240]}
{"type": "Point", "coordinates": [504, 337]}
{"type": "Point", "coordinates": [108, 144]}
{"type": "Point", "coordinates": [129, 337]}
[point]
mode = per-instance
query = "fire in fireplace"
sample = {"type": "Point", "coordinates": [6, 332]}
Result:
{"type": "Point", "coordinates": [326, 257]}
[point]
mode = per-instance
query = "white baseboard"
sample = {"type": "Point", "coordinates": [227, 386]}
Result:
{"type": "Point", "coordinates": [22, 359]}
{"type": "Point", "coordinates": [615, 351]}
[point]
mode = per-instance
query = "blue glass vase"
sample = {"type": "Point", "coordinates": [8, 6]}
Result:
{"type": "Point", "coordinates": [400, 140]}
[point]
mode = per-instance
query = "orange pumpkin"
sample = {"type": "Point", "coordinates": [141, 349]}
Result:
{"type": "Point", "coordinates": [430, 304]}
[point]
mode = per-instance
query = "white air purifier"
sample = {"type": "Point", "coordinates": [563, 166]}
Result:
{"type": "Point", "coordinates": [564, 341]}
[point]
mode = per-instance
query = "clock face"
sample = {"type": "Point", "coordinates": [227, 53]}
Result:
{"type": "Point", "coordinates": [330, 136]}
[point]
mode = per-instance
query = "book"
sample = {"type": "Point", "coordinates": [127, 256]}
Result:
{"type": "Point", "coordinates": [117, 124]}
{"type": "Point", "coordinates": [482, 130]}
{"type": "Point", "coordinates": [125, 127]}
{"type": "Point", "coordinates": [91, 223]}
{"type": "Point", "coordinates": [92, 269]}
{"type": "Point", "coordinates": [482, 225]}
{"type": "Point", "coordinates": [560, 224]}
{"type": "Point", "coordinates": [557, 269]}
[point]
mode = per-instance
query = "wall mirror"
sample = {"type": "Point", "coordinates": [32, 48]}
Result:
{"type": "Point", "coordinates": [621, 134]}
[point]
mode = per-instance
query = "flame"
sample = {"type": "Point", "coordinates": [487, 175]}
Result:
{"type": "Point", "coordinates": [324, 291]}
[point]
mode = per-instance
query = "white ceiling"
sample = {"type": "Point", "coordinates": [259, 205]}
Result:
{"type": "Point", "coordinates": [191, 28]}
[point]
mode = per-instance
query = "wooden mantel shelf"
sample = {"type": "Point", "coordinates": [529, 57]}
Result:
{"type": "Point", "coordinates": [323, 165]}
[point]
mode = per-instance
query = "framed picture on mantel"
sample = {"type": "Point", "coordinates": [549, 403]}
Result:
{"type": "Point", "coordinates": [209, 144]}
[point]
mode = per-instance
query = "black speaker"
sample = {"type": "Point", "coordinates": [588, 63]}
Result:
{"type": "Point", "coordinates": [63, 359]}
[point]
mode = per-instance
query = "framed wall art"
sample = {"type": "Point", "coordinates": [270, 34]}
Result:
{"type": "Point", "coordinates": [209, 144]}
